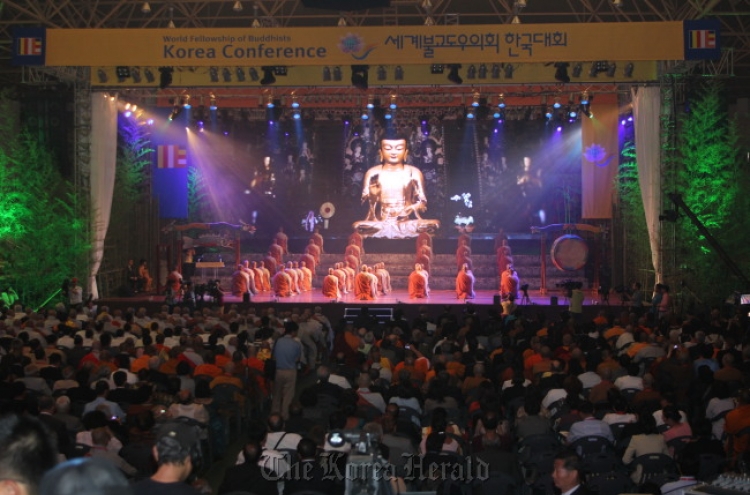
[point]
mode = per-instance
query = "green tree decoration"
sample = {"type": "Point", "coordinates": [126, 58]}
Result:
{"type": "Point", "coordinates": [41, 238]}
{"type": "Point", "coordinates": [709, 178]}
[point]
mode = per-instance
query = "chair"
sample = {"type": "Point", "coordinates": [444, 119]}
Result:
{"type": "Point", "coordinates": [677, 445]}
{"type": "Point", "coordinates": [629, 394]}
{"type": "Point", "coordinates": [601, 463]}
{"type": "Point", "coordinates": [617, 430]}
{"type": "Point", "coordinates": [710, 466]}
{"type": "Point", "coordinates": [658, 468]}
{"type": "Point", "coordinates": [533, 445]}
{"type": "Point", "coordinates": [590, 445]}
{"type": "Point", "coordinates": [612, 483]}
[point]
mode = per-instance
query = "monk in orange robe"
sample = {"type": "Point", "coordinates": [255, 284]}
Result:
{"type": "Point", "coordinates": [341, 276]}
{"type": "Point", "coordinates": [294, 276]}
{"type": "Point", "coordinates": [317, 239]}
{"type": "Point", "coordinates": [350, 268]}
{"type": "Point", "coordinates": [331, 286]}
{"type": "Point", "coordinates": [463, 253]}
{"type": "Point", "coordinates": [424, 258]}
{"type": "Point", "coordinates": [313, 250]}
{"type": "Point", "coordinates": [270, 262]}
{"type": "Point", "coordinates": [353, 250]}
{"type": "Point", "coordinates": [465, 283]}
{"type": "Point", "coordinates": [357, 239]}
{"type": "Point", "coordinates": [266, 277]}
{"type": "Point", "coordinates": [282, 283]}
{"type": "Point", "coordinates": [276, 251]}
{"type": "Point", "coordinates": [363, 285]}
{"type": "Point", "coordinates": [258, 277]}
{"type": "Point", "coordinates": [384, 278]}
{"type": "Point", "coordinates": [309, 262]}
{"type": "Point", "coordinates": [509, 283]}
{"type": "Point", "coordinates": [307, 276]}
{"type": "Point", "coordinates": [504, 257]}
{"type": "Point", "coordinates": [423, 238]}
{"type": "Point", "coordinates": [418, 285]}
{"type": "Point", "coordinates": [239, 282]}
{"type": "Point", "coordinates": [282, 240]}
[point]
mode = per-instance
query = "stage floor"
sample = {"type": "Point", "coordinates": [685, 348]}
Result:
{"type": "Point", "coordinates": [441, 297]}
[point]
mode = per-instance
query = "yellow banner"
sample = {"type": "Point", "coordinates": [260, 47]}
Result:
{"type": "Point", "coordinates": [513, 43]}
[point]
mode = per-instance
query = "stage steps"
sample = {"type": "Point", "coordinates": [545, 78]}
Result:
{"type": "Point", "coordinates": [443, 270]}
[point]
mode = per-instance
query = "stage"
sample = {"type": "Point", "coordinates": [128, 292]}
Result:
{"type": "Point", "coordinates": [552, 304]}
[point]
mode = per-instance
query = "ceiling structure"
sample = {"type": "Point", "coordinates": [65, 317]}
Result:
{"type": "Point", "coordinates": [102, 14]}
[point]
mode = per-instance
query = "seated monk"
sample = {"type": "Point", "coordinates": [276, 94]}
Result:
{"type": "Point", "coordinates": [424, 258]}
{"type": "Point", "coordinates": [353, 250]}
{"type": "Point", "coordinates": [331, 286]}
{"type": "Point", "coordinates": [509, 283]}
{"type": "Point", "coordinates": [276, 251]}
{"type": "Point", "coordinates": [418, 285]}
{"type": "Point", "coordinates": [282, 283]}
{"type": "Point", "coordinates": [313, 250]}
{"type": "Point", "coordinates": [357, 239]}
{"type": "Point", "coordinates": [309, 262]}
{"type": "Point", "coordinates": [384, 278]}
{"type": "Point", "coordinates": [363, 285]}
{"type": "Point", "coordinates": [239, 282]}
{"type": "Point", "coordinates": [266, 276]}
{"type": "Point", "coordinates": [307, 276]}
{"type": "Point", "coordinates": [465, 283]}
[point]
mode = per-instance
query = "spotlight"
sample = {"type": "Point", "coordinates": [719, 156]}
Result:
{"type": "Point", "coordinates": [185, 100]}
{"type": "Point", "coordinates": [557, 103]}
{"type": "Point", "coordinates": [597, 67]}
{"type": "Point", "coordinates": [365, 115]}
{"type": "Point", "coordinates": [499, 115]}
{"type": "Point", "coordinates": [382, 73]}
{"type": "Point", "coordinates": [475, 100]}
{"type": "Point", "coordinates": [135, 73]}
{"type": "Point", "coordinates": [572, 113]}
{"type": "Point", "coordinates": [268, 77]}
{"type": "Point", "coordinates": [388, 115]}
{"type": "Point", "coordinates": [611, 70]}
{"type": "Point", "coordinates": [146, 8]}
{"type": "Point", "coordinates": [237, 7]}
{"type": "Point", "coordinates": [359, 76]}
{"type": "Point", "coordinates": [123, 72]}
{"type": "Point", "coordinates": [337, 73]}
{"type": "Point", "coordinates": [269, 101]}
{"type": "Point", "coordinates": [398, 73]}
{"type": "Point", "coordinates": [437, 68]}
{"type": "Point", "coordinates": [628, 71]}
{"type": "Point", "coordinates": [577, 69]}
{"type": "Point", "coordinates": [495, 71]}
{"type": "Point", "coordinates": [509, 71]}
{"type": "Point", "coordinates": [240, 72]}
{"type": "Point", "coordinates": [501, 101]}
{"type": "Point", "coordinates": [165, 76]}
{"type": "Point", "coordinates": [585, 98]}
{"type": "Point", "coordinates": [149, 75]}
{"type": "Point", "coordinates": [213, 74]}
{"type": "Point", "coordinates": [226, 73]}
{"type": "Point", "coordinates": [453, 75]}
{"type": "Point", "coordinates": [470, 113]}
{"type": "Point", "coordinates": [102, 75]}
{"type": "Point", "coordinates": [326, 74]}
{"type": "Point", "coordinates": [296, 115]}
{"type": "Point", "coordinates": [253, 74]}
{"type": "Point", "coordinates": [471, 72]}
{"type": "Point", "coordinates": [370, 102]}
{"type": "Point", "coordinates": [212, 103]}
{"type": "Point", "coordinates": [482, 72]}
{"type": "Point", "coordinates": [393, 104]}
{"type": "Point", "coordinates": [617, 3]}
{"type": "Point", "coordinates": [548, 114]}
{"type": "Point", "coordinates": [295, 102]}
{"type": "Point", "coordinates": [561, 72]}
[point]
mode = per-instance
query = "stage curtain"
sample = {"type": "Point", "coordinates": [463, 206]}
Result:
{"type": "Point", "coordinates": [600, 158]}
{"type": "Point", "coordinates": [103, 159]}
{"type": "Point", "coordinates": [646, 111]}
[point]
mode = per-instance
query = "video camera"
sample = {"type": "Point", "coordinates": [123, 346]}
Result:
{"type": "Point", "coordinates": [210, 288]}
{"type": "Point", "coordinates": [569, 286]}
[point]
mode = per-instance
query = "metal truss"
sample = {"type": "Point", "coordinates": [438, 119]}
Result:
{"type": "Point", "coordinates": [733, 14]}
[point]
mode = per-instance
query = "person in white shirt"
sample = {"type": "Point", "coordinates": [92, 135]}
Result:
{"type": "Point", "coordinates": [631, 380]}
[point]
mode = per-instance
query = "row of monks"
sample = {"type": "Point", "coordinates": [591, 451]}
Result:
{"type": "Point", "coordinates": [351, 276]}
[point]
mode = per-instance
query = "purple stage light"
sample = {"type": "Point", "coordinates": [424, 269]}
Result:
{"type": "Point", "coordinates": [424, 122]}
{"type": "Point", "coordinates": [286, 134]}
{"type": "Point", "coordinates": [630, 118]}
{"type": "Point", "coordinates": [200, 123]}
{"type": "Point", "coordinates": [495, 130]}
{"type": "Point", "coordinates": [346, 122]}
{"type": "Point", "coordinates": [622, 122]}
{"type": "Point", "coordinates": [150, 122]}
{"type": "Point", "coordinates": [128, 113]}
{"type": "Point", "coordinates": [559, 128]}
{"type": "Point", "coordinates": [226, 133]}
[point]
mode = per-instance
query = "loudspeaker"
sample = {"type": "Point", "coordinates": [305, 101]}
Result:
{"type": "Point", "coordinates": [496, 299]}
{"type": "Point", "coordinates": [553, 301]}
{"type": "Point", "coordinates": [346, 5]}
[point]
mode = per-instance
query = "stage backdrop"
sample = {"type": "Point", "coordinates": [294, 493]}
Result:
{"type": "Point", "coordinates": [600, 158]}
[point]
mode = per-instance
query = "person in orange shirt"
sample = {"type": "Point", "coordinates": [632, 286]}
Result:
{"type": "Point", "coordinates": [208, 367]}
{"type": "Point", "coordinates": [227, 377]}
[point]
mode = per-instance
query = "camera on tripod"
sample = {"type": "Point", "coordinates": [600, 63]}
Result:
{"type": "Point", "coordinates": [569, 286]}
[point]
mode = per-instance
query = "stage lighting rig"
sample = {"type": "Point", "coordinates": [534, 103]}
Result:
{"type": "Point", "coordinates": [268, 76]}
{"type": "Point", "coordinates": [453, 75]}
{"type": "Point", "coordinates": [123, 72]}
{"type": "Point", "coordinates": [561, 72]}
{"type": "Point", "coordinates": [149, 75]}
{"type": "Point", "coordinates": [165, 77]}
{"type": "Point", "coordinates": [360, 76]}
{"type": "Point", "coordinates": [135, 73]}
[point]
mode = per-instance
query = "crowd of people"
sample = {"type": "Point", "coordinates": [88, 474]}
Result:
{"type": "Point", "coordinates": [508, 390]}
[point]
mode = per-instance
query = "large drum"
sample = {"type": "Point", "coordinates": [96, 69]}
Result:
{"type": "Point", "coordinates": [569, 253]}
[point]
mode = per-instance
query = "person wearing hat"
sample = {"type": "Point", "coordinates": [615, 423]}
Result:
{"type": "Point", "coordinates": [75, 294]}
{"type": "Point", "coordinates": [175, 452]}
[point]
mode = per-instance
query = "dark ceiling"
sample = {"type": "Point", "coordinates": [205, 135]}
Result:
{"type": "Point", "coordinates": [733, 14]}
